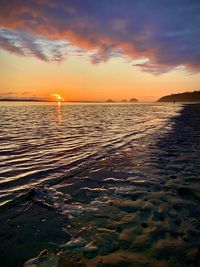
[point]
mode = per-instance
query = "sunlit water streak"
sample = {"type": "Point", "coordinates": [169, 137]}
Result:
{"type": "Point", "coordinates": [42, 142]}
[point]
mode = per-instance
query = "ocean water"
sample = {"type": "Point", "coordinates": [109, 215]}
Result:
{"type": "Point", "coordinates": [42, 142]}
{"type": "Point", "coordinates": [100, 184]}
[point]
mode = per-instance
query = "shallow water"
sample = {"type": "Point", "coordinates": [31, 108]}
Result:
{"type": "Point", "coordinates": [43, 142]}
{"type": "Point", "coordinates": [113, 185]}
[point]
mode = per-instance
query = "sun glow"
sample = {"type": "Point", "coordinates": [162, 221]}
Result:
{"type": "Point", "coordinates": [57, 97]}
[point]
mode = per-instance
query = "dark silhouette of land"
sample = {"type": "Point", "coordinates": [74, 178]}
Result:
{"type": "Point", "coordinates": [181, 97]}
{"type": "Point", "coordinates": [22, 100]}
{"type": "Point", "coordinates": [110, 101]}
{"type": "Point", "coordinates": [133, 100]}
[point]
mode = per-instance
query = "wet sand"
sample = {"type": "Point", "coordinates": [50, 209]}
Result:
{"type": "Point", "coordinates": [138, 207]}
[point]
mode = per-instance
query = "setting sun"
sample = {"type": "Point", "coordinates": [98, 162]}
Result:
{"type": "Point", "coordinates": [57, 97]}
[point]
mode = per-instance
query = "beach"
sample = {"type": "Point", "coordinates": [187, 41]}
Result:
{"type": "Point", "coordinates": [132, 202]}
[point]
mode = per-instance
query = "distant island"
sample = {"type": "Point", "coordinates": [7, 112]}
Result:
{"type": "Point", "coordinates": [110, 101]}
{"type": "Point", "coordinates": [181, 97]}
{"type": "Point", "coordinates": [133, 100]}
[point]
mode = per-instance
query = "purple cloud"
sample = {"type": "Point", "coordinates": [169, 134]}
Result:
{"type": "Point", "coordinates": [164, 33]}
{"type": "Point", "coordinates": [25, 44]}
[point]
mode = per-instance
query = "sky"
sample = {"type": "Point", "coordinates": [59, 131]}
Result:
{"type": "Point", "coordinates": [99, 49]}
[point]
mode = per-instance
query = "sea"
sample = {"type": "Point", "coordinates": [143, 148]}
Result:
{"type": "Point", "coordinates": [44, 142]}
{"type": "Point", "coordinates": [99, 184]}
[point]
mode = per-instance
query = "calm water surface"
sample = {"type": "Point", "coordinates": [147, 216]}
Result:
{"type": "Point", "coordinates": [42, 142]}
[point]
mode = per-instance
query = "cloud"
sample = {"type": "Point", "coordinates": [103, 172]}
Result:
{"type": "Point", "coordinates": [25, 44]}
{"type": "Point", "coordinates": [20, 96]}
{"type": "Point", "coordinates": [26, 93]}
{"type": "Point", "coordinates": [166, 33]}
{"type": "Point", "coordinates": [7, 94]}
{"type": "Point", "coordinates": [12, 95]}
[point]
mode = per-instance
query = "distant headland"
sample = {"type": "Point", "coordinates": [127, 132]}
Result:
{"type": "Point", "coordinates": [181, 97]}
{"type": "Point", "coordinates": [22, 100]}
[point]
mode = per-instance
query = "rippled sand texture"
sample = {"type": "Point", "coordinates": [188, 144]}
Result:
{"type": "Point", "coordinates": [139, 205]}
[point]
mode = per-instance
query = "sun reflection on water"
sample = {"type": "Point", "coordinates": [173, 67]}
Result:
{"type": "Point", "coordinates": [58, 113]}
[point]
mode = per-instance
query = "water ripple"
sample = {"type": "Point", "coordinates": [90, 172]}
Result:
{"type": "Point", "coordinates": [44, 142]}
